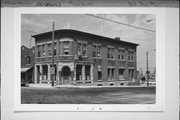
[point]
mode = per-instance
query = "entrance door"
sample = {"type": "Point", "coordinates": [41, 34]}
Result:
{"type": "Point", "coordinates": [66, 75]}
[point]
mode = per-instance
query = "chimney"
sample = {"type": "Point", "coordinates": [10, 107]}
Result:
{"type": "Point", "coordinates": [117, 38]}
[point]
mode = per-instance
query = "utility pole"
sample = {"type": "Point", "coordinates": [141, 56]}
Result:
{"type": "Point", "coordinates": [53, 68]}
{"type": "Point", "coordinates": [147, 72]}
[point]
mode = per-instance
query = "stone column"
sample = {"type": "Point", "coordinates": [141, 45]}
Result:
{"type": "Point", "coordinates": [40, 77]}
{"type": "Point", "coordinates": [91, 73]}
{"type": "Point", "coordinates": [74, 78]}
{"type": "Point", "coordinates": [83, 73]}
{"type": "Point", "coordinates": [35, 73]}
{"type": "Point", "coordinates": [49, 74]}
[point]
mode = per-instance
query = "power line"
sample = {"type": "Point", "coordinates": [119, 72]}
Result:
{"type": "Point", "coordinates": [121, 23]}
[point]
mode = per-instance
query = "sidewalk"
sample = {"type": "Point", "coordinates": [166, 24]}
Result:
{"type": "Point", "coordinates": [73, 86]}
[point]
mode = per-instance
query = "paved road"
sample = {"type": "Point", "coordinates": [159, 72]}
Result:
{"type": "Point", "coordinates": [114, 95]}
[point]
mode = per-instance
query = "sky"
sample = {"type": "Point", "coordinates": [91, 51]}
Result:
{"type": "Point", "coordinates": [39, 23]}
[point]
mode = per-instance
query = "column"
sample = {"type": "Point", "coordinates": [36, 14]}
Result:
{"type": "Point", "coordinates": [40, 76]}
{"type": "Point", "coordinates": [74, 78]}
{"type": "Point", "coordinates": [91, 73]}
{"type": "Point", "coordinates": [49, 74]}
{"type": "Point", "coordinates": [83, 73]}
{"type": "Point", "coordinates": [35, 74]}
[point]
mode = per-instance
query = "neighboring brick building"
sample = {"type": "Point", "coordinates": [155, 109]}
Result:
{"type": "Point", "coordinates": [84, 58]}
{"type": "Point", "coordinates": [27, 64]}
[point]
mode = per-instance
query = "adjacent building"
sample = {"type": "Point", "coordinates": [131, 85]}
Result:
{"type": "Point", "coordinates": [27, 64]}
{"type": "Point", "coordinates": [83, 58]}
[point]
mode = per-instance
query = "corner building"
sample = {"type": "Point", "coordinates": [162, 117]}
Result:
{"type": "Point", "coordinates": [83, 58]}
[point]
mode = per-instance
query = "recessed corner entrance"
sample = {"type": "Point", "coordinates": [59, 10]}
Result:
{"type": "Point", "coordinates": [66, 75]}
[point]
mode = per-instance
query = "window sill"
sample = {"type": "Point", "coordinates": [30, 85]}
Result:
{"type": "Point", "coordinates": [121, 60]}
{"type": "Point", "coordinates": [97, 57]}
{"type": "Point", "coordinates": [66, 55]}
{"type": "Point", "coordinates": [110, 59]}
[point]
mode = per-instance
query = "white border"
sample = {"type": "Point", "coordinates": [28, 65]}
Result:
{"type": "Point", "coordinates": [160, 61]}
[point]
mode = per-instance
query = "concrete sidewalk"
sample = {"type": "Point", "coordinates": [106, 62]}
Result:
{"type": "Point", "coordinates": [74, 86]}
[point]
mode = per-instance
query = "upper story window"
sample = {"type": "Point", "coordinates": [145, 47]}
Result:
{"type": "Point", "coordinates": [39, 50]}
{"type": "Point", "coordinates": [66, 47]}
{"type": "Point", "coordinates": [131, 55]}
{"type": "Point", "coordinates": [82, 49]}
{"type": "Point", "coordinates": [96, 51]}
{"type": "Point", "coordinates": [43, 50]}
{"type": "Point", "coordinates": [49, 49]}
{"type": "Point", "coordinates": [110, 53]}
{"type": "Point", "coordinates": [121, 53]}
{"type": "Point", "coordinates": [28, 60]}
{"type": "Point", "coordinates": [79, 48]}
{"type": "Point", "coordinates": [55, 48]}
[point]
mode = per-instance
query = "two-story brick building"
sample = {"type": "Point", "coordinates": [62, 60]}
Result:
{"type": "Point", "coordinates": [83, 58]}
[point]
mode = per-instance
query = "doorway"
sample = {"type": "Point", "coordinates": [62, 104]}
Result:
{"type": "Point", "coordinates": [66, 75]}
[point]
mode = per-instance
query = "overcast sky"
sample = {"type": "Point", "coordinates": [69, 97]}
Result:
{"type": "Point", "coordinates": [39, 23]}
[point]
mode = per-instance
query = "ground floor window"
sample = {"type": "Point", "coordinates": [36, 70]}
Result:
{"type": "Point", "coordinates": [87, 72]}
{"type": "Point", "coordinates": [121, 74]}
{"type": "Point", "coordinates": [99, 75]}
{"type": "Point", "coordinates": [44, 72]}
{"type": "Point", "coordinates": [131, 71]}
{"type": "Point", "coordinates": [111, 72]}
{"type": "Point", "coordinates": [78, 72]}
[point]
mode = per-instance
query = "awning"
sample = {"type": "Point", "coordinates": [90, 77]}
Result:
{"type": "Point", "coordinates": [25, 69]}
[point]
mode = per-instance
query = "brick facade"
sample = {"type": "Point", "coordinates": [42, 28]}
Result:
{"type": "Point", "coordinates": [84, 58]}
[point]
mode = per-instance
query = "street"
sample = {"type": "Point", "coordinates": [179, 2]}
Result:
{"type": "Point", "coordinates": [64, 95]}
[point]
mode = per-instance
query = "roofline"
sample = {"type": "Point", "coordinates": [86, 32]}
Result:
{"type": "Point", "coordinates": [85, 33]}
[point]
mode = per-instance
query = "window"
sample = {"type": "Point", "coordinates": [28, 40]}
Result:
{"type": "Point", "coordinates": [121, 54]}
{"type": "Point", "coordinates": [131, 55]}
{"type": "Point", "coordinates": [110, 53]}
{"type": "Point", "coordinates": [112, 73]}
{"type": "Point", "coordinates": [49, 49]}
{"type": "Point", "coordinates": [43, 50]}
{"type": "Point", "coordinates": [98, 51]}
{"type": "Point", "coordinates": [66, 47]}
{"type": "Point", "coordinates": [39, 50]}
{"type": "Point", "coordinates": [55, 48]}
{"type": "Point", "coordinates": [79, 48]}
{"type": "Point", "coordinates": [121, 74]}
{"type": "Point", "coordinates": [94, 51]}
{"type": "Point", "coordinates": [28, 59]}
{"type": "Point", "coordinates": [84, 50]}
{"type": "Point", "coordinates": [109, 77]}
{"type": "Point", "coordinates": [87, 72]}
{"type": "Point", "coordinates": [79, 72]}
{"type": "Point", "coordinates": [99, 75]}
